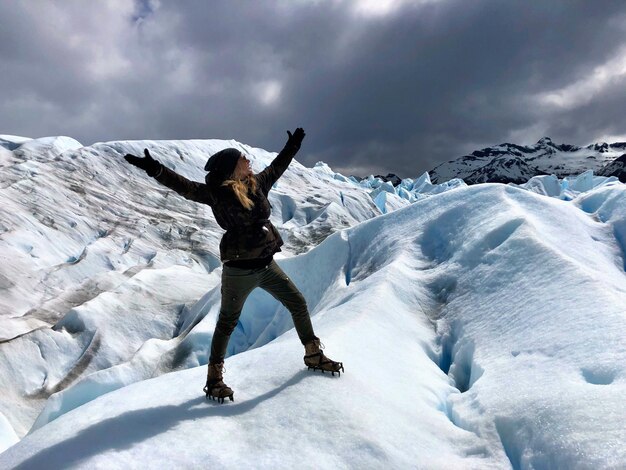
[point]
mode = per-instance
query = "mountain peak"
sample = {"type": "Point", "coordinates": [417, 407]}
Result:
{"type": "Point", "coordinates": [600, 147]}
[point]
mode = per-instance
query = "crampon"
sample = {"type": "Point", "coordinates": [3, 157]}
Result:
{"type": "Point", "coordinates": [315, 359]}
{"type": "Point", "coordinates": [323, 363]}
{"type": "Point", "coordinates": [215, 387]}
{"type": "Point", "coordinates": [218, 391]}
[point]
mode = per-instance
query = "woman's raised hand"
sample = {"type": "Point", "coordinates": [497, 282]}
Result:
{"type": "Point", "coordinates": [296, 137]}
{"type": "Point", "coordinates": [147, 163]}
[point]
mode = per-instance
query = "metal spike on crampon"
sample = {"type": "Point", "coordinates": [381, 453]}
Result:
{"type": "Point", "coordinates": [218, 398]}
{"type": "Point", "coordinates": [338, 371]}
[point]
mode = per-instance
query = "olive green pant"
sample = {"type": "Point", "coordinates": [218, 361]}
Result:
{"type": "Point", "coordinates": [237, 284]}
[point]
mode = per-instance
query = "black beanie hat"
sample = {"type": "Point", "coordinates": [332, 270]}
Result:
{"type": "Point", "coordinates": [223, 163]}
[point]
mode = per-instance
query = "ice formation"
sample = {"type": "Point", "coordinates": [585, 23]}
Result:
{"type": "Point", "coordinates": [480, 326]}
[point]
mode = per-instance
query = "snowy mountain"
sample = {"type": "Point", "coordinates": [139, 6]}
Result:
{"type": "Point", "coordinates": [391, 177]}
{"type": "Point", "coordinates": [480, 327]}
{"type": "Point", "coordinates": [506, 162]}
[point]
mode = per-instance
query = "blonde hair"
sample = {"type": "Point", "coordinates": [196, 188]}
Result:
{"type": "Point", "coordinates": [242, 188]}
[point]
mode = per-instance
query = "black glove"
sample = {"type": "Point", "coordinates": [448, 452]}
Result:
{"type": "Point", "coordinates": [148, 164]}
{"type": "Point", "coordinates": [296, 138]}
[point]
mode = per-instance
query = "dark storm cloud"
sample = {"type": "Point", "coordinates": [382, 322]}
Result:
{"type": "Point", "coordinates": [395, 92]}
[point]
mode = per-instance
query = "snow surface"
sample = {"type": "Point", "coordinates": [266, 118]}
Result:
{"type": "Point", "coordinates": [92, 249]}
{"type": "Point", "coordinates": [480, 327]}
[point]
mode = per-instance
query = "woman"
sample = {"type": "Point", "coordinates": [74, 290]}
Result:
{"type": "Point", "coordinates": [239, 202]}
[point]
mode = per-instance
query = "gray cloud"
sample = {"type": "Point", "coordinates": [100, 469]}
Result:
{"type": "Point", "coordinates": [399, 92]}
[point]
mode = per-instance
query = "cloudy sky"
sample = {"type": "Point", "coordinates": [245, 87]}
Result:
{"type": "Point", "coordinates": [379, 85]}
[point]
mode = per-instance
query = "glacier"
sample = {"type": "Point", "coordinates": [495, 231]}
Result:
{"type": "Point", "coordinates": [84, 238]}
{"type": "Point", "coordinates": [480, 326]}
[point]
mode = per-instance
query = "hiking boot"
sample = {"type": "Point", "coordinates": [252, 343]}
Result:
{"type": "Point", "coordinates": [215, 388]}
{"type": "Point", "coordinates": [315, 359]}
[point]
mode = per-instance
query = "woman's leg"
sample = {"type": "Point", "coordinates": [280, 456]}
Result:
{"type": "Point", "coordinates": [274, 280]}
{"type": "Point", "coordinates": [236, 286]}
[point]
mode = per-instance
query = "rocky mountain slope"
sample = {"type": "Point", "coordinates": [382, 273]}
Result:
{"type": "Point", "coordinates": [615, 168]}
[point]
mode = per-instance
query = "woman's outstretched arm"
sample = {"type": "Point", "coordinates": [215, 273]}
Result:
{"type": "Point", "coordinates": [191, 190]}
{"type": "Point", "coordinates": [270, 175]}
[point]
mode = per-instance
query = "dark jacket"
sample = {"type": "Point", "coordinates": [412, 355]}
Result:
{"type": "Point", "coordinates": [249, 233]}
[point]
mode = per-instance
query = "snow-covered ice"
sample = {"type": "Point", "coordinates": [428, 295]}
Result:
{"type": "Point", "coordinates": [480, 327]}
{"type": "Point", "coordinates": [92, 247]}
